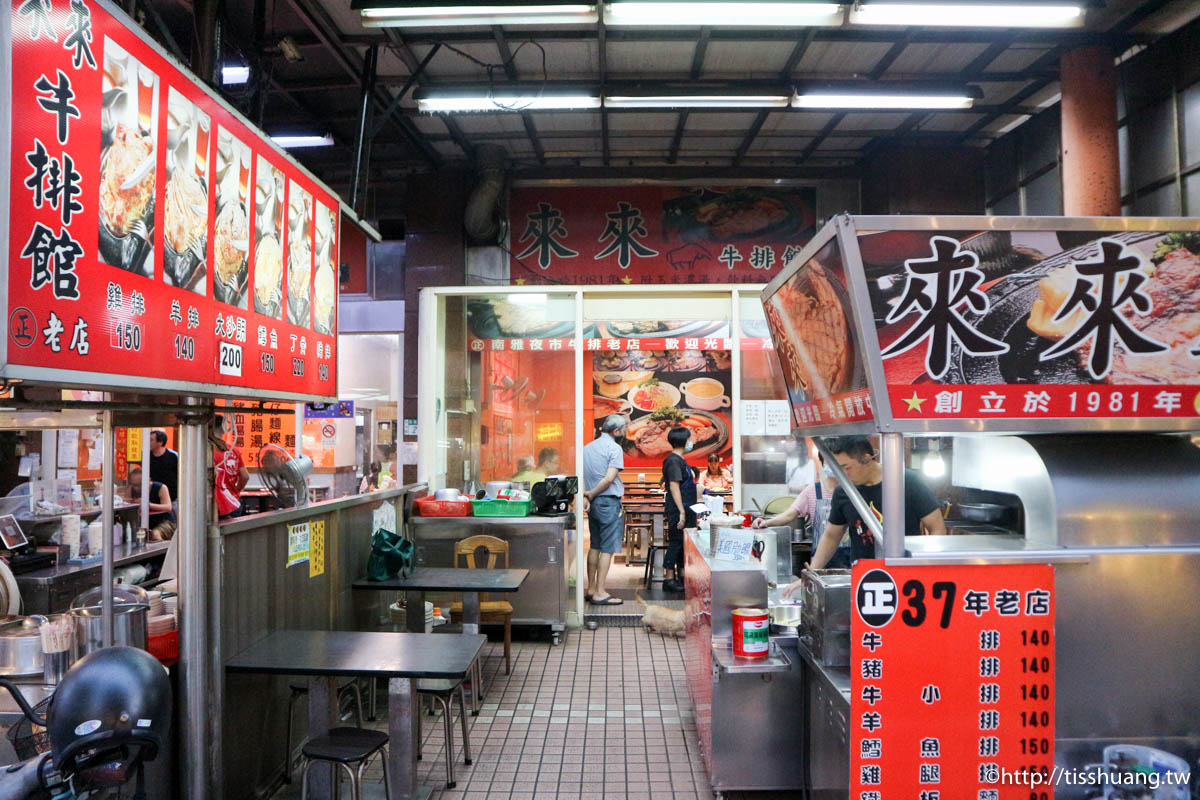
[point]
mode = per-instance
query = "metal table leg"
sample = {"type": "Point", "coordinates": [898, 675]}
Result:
{"type": "Point", "coordinates": [322, 715]}
{"type": "Point", "coordinates": [415, 601]}
{"type": "Point", "coordinates": [402, 741]}
{"type": "Point", "coordinates": [471, 625]}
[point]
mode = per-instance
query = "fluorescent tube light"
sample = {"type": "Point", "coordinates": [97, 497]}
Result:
{"type": "Point", "coordinates": [864, 100]}
{"type": "Point", "coordinates": [697, 101]}
{"type": "Point", "coordinates": [505, 102]}
{"type": "Point", "coordinates": [234, 74]}
{"type": "Point", "coordinates": [446, 16]}
{"type": "Point", "coordinates": [782, 14]}
{"type": "Point", "coordinates": [1014, 15]}
{"type": "Point", "coordinates": [311, 140]}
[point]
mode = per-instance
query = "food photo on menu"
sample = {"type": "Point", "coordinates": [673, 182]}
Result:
{"type": "Point", "coordinates": [268, 248]}
{"type": "Point", "coordinates": [658, 390]}
{"type": "Point", "coordinates": [185, 225]}
{"type": "Point", "coordinates": [231, 239]}
{"type": "Point", "coordinates": [128, 138]}
{"type": "Point", "coordinates": [299, 244]}
{"type": "Point", "coordinates": [325, 278]}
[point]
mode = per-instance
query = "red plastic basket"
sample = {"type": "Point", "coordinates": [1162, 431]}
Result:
{"type": "Point", "coordinates": [428, 507]}
{"type": "Point", "coordinates": [164, 647]}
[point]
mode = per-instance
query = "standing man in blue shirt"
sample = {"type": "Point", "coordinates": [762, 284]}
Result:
{"type": "Point", "coordinates": [603, 460]}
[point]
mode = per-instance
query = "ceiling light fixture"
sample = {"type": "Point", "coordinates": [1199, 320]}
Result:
{"type": "Point", "coordinates": [969, 15]}
{"type": "Point", "coordinates": [697, 101]}
{"type": "Point", "coordinates": [445, 100]}
{"type": "Point", "coordinates": [432, 14]}
{"type": "Point", "coordinates": [234, 74]}
{"type": "Point", "coordinates": [833, 100]}
{"type": "Point", "coordinates": [291, 141]}
{"type": "Point", "coordinates": [761, 14]}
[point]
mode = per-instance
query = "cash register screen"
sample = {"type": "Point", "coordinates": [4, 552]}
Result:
{"type": "Point", "coordinates": [11, 534]}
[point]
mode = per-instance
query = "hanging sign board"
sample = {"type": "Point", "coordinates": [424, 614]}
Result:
{"type": "Point", "coordinates": [976, 724]}
{"type": "Point", "coordinates": [155, 240]}
{"type": "Point", "coordinates": [994, 323]}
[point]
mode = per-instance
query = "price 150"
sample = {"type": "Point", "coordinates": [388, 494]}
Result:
{"type": "Point", "coordinates": [127, 336]}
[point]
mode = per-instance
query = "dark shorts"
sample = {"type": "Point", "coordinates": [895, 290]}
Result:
{"type": "Point", "coordinates": [606, 524]}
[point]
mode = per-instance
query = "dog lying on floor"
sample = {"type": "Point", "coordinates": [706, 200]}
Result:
{"type": "Point", "coordinates": [667, 621]}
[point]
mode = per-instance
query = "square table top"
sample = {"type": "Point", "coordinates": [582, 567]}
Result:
{"type": "Point", "coordinates": [382, 654]}
{"type": "Point", "coordinates": [449, 579]}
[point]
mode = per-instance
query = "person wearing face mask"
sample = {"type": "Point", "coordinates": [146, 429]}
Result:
{"type": "Point", "coordinates": [681, 496]}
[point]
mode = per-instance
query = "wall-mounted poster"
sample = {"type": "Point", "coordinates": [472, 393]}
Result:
{"type": "Point", "coordinates": [185, 215]}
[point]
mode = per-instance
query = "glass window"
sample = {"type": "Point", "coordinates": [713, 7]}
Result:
{"type": "Point", "coordinates": [768, 450]}
{"type": "Point", "coordinates": [369, 374]}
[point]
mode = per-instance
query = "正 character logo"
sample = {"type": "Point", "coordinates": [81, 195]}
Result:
{"type": "Point", "coordinates": [22, 327]}
{"type": "Point", "coordinates": [876, 598]}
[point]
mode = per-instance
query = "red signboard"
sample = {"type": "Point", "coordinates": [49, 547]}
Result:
{"type": "Point", "coordinates": [976, 722]}
{"type": "Point", "coordinates": [1035, 324]}
{"type": "Point", "coordinates": [143, 214]}
{"type": "Point", "coordinates": [656, 234]}
{"type": "Point", "coordinates": [810, 319]}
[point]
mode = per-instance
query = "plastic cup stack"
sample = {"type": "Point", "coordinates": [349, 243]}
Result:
{"type": "Point", "coordinates": [70, 534]}
{"type": "Point", "coordinates": [57, 634]}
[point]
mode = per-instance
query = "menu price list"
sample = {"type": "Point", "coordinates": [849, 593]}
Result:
{"type": "Point", "coordinates": [952, 680]}
{"type": "Point", "coordinates": [144, 215]}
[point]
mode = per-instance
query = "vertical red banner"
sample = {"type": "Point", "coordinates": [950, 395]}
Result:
{"type": "Point", "coordinates": [976, 720]}
{"type": "Point", "coordinates": [121, 451]}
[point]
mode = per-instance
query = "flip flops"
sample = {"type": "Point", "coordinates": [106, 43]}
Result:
{"type": "Point", "coordinates": [607, 601]}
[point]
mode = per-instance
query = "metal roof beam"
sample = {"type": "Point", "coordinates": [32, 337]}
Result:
{"type": "Point", "coordinates": [820, 137]}
{"type": "Point", "coordinates": [677, 139]}
{"type": "Point", "coordinates": [889, 57]}
{"type": "Point", "coordinates": [798, 53]}
{"type": "Point", "coordinates": [748, 141]}
{"type": "Point", "coordinates": [700, 52]}
{"type": "Point", "coordinates": [510, 69]}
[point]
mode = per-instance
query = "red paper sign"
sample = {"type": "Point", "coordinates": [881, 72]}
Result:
{"type": "Point", "coordinates": [976, 722]}
{"type": "Point", "coordinates": [654, 234]}
{"type": "Point", "coordinates": [597, 345]}
{"type": "Point", "coordinates": [1037, 324]}
{"type": "Point", "coordinates": [144, 215]}
{"type": "Point", "coordinates": [121, 453]}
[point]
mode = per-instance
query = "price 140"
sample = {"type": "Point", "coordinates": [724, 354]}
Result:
{"type": "Point", "coordinates": [185, 347]}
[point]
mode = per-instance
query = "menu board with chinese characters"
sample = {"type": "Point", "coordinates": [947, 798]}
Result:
{"type": "Point", "coordinates": [143, 214]}
{"type": "Point", "coordinates": [976, 723]}
{"type": "Point", "coordinates": [1036, 324]}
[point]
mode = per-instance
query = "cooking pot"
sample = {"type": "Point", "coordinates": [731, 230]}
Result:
{"type": "Point", "coordinates": [131, 606]}
{"type": "Point", "coordinates": [21, 646]}
{"type": "Point", "coordinates": [446, 494]}
{"type": "Point", "coordinates": [981, 512]}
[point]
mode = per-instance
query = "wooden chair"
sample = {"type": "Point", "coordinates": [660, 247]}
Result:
{"type": "Point", "coordinates": [490, 611]}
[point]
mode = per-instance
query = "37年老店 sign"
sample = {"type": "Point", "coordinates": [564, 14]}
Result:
{"type": "Point", "coordinates": [154, 239]}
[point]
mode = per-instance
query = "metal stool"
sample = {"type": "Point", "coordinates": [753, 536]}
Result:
{"type": "Point", "coordinates": [301, 691]}
{"type": "Point", "coordinates": [443, 691]}
{"type": "Point", "coordinates": [345, 747]}
{"type": "Point", "coordinates": [657, 542]}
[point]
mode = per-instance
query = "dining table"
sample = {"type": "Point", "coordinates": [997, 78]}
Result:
{"type": "Point", "coordinates": [326, 657]}
{"type": "Point", "coordinates": [470, 582]}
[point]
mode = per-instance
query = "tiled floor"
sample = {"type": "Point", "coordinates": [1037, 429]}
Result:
{"type": "Point", "coordinates": [604, 715]}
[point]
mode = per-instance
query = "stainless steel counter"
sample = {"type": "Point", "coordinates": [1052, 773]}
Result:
{"type": "Point", "coordinates": [827, 735]}
{"type": "Point", "coordinates": [536, 543]}
{"type": "Point", "coordinates": [122, 554]}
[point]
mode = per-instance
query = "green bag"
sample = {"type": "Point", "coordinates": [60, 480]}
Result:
{"type": "Point", "coordinates": [391, 556]}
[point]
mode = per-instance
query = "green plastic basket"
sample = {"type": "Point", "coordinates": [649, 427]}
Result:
{"type": "Point", "coordinates": [501, 508]}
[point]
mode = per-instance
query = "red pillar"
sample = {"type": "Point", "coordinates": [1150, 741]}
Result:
{"type": "Point", "coordinates": [1091, 172]}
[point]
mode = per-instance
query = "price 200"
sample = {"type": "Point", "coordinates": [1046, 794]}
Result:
{"type": "Point", "coordinates": [185, 347]}
{"type": "Point", "coordinates": [127, 336]}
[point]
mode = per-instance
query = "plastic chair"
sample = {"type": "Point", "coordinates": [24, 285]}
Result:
{"type": "Point", "coordinates": [490, 611]}
{"type": "Point", "coordinates": [346, 747]}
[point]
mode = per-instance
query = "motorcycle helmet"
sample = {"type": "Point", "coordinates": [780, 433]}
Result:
{"type": "Point", "coordinates": [110, 713]}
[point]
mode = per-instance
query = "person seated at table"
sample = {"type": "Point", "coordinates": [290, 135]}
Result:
{"type": "Point", "coordinates": [547, 464]}
{"type": "Point", "coordinates": [160, 498]}
{"type": "Point", "coordinates": [716, 478]}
